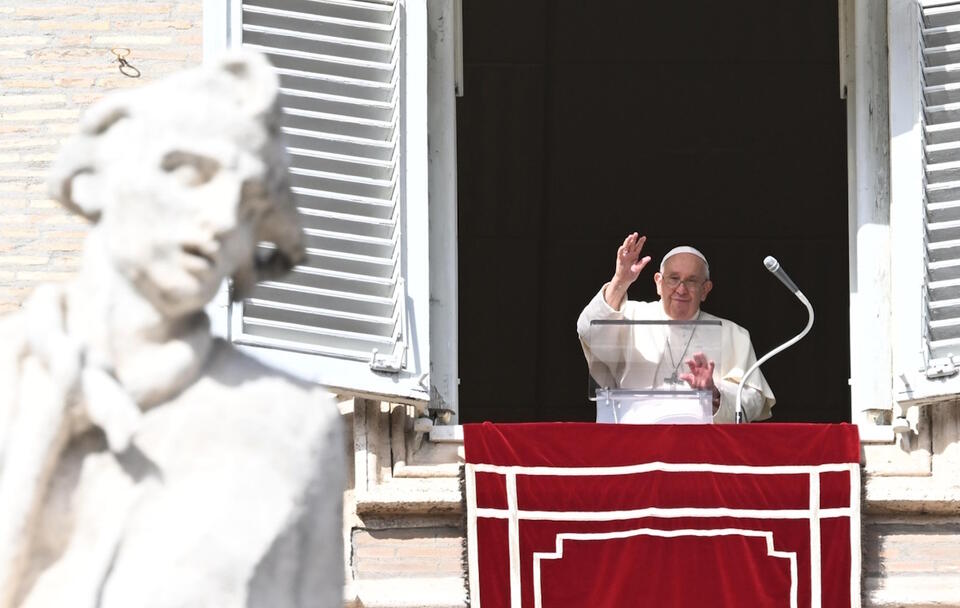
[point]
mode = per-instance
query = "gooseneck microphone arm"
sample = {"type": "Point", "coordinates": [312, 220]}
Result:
{"type": "Point", "coordinates": [774, 267]}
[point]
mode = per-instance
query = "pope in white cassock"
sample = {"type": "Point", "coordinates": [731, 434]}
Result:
{"type": "Point", "coordinates": [683, 283]}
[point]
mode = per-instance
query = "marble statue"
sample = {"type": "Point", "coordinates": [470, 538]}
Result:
{"type": "Point", "coordinates": [142, 461]}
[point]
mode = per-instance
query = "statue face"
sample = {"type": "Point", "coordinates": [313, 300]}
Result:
{"type": "Point", "coordinates": [181, 205]}
{"type": "Point", "coordinates": [184, 178]}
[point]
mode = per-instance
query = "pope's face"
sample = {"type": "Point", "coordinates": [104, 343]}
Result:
{"type": "Point", "coordinates": [682, 286]}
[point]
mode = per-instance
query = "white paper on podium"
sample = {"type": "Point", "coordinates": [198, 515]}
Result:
{"type": "Point", "coordinates": [654, 407]}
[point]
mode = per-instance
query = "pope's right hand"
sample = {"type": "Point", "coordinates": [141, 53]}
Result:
{"type": "Point", "coordinates": [629, 262]}
{"type": "Point", "coordinates": [629, 267]}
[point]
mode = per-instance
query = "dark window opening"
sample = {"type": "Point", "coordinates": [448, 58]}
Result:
{"type": "Point", "coordinates": [709, 124]}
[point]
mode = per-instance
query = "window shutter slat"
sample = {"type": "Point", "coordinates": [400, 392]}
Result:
{"type": "Point", "coordinates": [364, 11]}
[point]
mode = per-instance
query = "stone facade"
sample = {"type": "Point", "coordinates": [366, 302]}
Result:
{"type": "Point", "coordinates": [911, 519]}
{"type": "Point", "coordinates": [404, 512]}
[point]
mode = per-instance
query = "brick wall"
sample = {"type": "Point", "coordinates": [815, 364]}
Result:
{"type": "Point", "coordinates": [911, 560]}
{"type": "Point", "coordinates": [407, 552]}
{"type": "Point", "coordinates": [56, 59]}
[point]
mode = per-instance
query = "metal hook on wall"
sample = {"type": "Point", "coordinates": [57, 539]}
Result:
{"type": "Point", "coordinates": [125, 68]}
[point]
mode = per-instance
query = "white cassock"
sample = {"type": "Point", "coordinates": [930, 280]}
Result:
{"type": "Point", "coordinates": [644, 356]}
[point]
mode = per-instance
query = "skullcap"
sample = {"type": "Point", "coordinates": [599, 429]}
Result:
{"type": "Point", "coordinates": [685, 249]}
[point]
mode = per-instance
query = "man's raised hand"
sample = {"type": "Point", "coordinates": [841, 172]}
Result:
{"type": "Point", "coordinates": [629, 263]}
{"type": "Point", "coordinates": [628, 268]}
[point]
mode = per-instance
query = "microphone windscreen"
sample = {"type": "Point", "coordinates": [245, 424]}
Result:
{"type": "Point", "coordinates": [771, 263]}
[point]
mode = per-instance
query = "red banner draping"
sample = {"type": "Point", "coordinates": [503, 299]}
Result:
{"type": "Point", "coordinates": [565, 515]}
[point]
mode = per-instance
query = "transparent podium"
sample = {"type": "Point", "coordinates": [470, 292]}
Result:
{"type": "Point", "coordinates": [638, 370]}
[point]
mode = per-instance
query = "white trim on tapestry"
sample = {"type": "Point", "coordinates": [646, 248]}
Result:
{"type": "Point", "coordinates": [791, 556]}
{"type": "Point", "coordinates": [672, 467]}
{"type": "Point", "coordinates": [815, 565]}
{"type": "Point", "coordinates": [513, 539]}
{"type": "Point", "coordinates": [663, 513]}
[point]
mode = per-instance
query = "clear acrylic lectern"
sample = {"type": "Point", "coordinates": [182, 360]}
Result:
{"type": "Point", "coordinates": [636, 367]}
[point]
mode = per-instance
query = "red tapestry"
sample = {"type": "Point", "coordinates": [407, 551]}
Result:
{"type": "Point", "coordinates": [567, 515]}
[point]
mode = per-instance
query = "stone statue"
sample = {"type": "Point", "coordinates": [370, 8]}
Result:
{"type": "Point", "coordinates": [142, 461]}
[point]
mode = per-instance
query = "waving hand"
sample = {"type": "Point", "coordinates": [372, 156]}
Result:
{"type": "Point", "coordinates": [628, 268]}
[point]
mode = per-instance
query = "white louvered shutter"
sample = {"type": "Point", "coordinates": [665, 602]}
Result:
{"type": "Point", "coordinates": [940, 42]}
{"type": "Point", "coordinates": [353, 316]}
{"type": "Point", "coordinates": [925, 196]}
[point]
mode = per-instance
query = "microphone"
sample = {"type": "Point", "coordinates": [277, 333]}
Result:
{"type": "Point", "coordinates": [773, 266]}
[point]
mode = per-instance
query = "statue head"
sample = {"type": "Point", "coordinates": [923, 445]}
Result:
{"type": "Point", "coordinates": [182, 179]}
